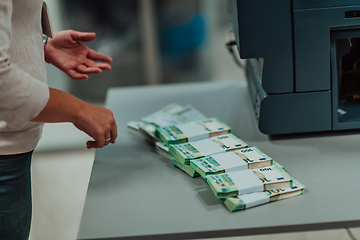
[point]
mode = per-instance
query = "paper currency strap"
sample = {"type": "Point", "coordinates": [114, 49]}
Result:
{"type": "Point", "coordinates": [271, 174]}
{"type": "Point", "coordinates": [246, 182]}
{"type": "Point", "coordinates": [207, 147]}
{"type": "Point", "coordinates": [229, 141]}
{"type": "Point", "coordinates": [254, 154]}
{"type": "Point", "coordinates": [193, 131]}
{"type": "Point", "coordinates": [230, 160]}
{"type": "Point", "coordinates": [213, 125]}
{"type": "Point", "coordinates": [254, 199]}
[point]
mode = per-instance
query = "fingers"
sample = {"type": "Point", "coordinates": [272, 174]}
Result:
{"type": "Point", "coordinates": [76, 76]}
{"type": "Point", "coordinates": [93, 55]}
{"type": "Point", "coordinates": [102, 66]}
{"type": "Point", "coordinates": [100, 143]}
{"type": "Point", "coordinates": [99, 139]}
{"type": "Point", "coordinates": [107, 139]}
{"type": "Point", "coordinates": [113, 133]}
{"type": "Point", "coordinates": [102, 127]}
{"type": "Point", "coordinates": [82, 71]}
{"type": "Point", "coordinates": [93, 144]}
{"type": "Point", "coordinates": [82, 36]}
{"type": "Point", "coordinates": [88, 70]}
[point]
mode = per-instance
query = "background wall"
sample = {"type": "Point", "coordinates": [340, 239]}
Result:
{"type": "Point", "coordinates": [151, 42]}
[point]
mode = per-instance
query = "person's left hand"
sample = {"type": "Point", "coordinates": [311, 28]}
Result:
{"type": "Point", "coordinates": [75, 59]}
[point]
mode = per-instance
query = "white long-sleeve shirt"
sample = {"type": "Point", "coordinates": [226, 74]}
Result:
{"type": "Point", "coordinates": [23, 88]}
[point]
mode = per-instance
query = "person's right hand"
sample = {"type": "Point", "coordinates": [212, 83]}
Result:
{"type": "Point", "coordinates": [98, 123]}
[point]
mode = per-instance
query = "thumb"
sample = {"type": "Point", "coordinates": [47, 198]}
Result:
{"type": "Point", "coordinates": [83, 36]}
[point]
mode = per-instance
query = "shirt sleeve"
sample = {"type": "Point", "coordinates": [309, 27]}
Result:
{"type": "Point", "coordinates": [22, 97]}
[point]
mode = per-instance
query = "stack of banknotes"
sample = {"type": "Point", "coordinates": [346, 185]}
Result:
{"type": "Point", "coordinates": [192, 131]}
{"type": "Point", "coordinates": [243, 159]}
{"type": "Point", "coordinates": [241, 176]}
{"type": "Point", "coordinates": [171, 114]}
{"type": "Point", "coordinates": [248, 181]}
{"type": "Point", "coordinates": [186, 168]}
{"type": "Point", "coordinates": [185, 152]}
{"type": "Point", "coordinates": [244, 201]}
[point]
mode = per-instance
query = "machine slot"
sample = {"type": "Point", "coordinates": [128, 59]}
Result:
{"type": "Point", "coordinates": [346, 78]}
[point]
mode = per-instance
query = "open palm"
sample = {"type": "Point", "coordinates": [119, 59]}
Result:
{"type": "Point", "coordinates": [66, 52]}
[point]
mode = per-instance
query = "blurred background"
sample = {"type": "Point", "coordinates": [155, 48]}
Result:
{"type": "Point", "coordinates": [151, 42]}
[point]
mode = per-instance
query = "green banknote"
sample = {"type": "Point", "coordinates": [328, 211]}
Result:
{"type": "Point", "coordinates": [183, 153]}
{"type": "Point", "coordinates": [222, 185]}
{"type": "Point", "coordinates": [171, 135]}
{"type": "Point", "coordinates": [187, 169]}
{"type": "Point", "coordinates": [206, 165]}
{"type": "Point", "coordinates": [155, 117]}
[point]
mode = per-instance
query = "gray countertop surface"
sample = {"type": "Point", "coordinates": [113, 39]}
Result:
{"type": "Point", "coordinates": [134, 193]}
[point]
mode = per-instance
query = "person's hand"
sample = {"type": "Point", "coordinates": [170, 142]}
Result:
{"type": "Point", "coordinates": [75, 59]}
{"type": "Point", "coordinates": [98, 123]}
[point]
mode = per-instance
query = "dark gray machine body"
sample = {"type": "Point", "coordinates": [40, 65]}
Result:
{"type": "Point", "coordinates": [296, 51]}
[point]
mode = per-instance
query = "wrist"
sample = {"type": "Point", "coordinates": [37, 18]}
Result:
{"type": "Point", "coordinates": [61, 107]}
{"type": "Point", "coordinates": [79, 114]}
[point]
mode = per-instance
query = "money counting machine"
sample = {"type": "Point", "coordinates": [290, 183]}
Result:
{"type": "Point", "coordinates": [303, 62]}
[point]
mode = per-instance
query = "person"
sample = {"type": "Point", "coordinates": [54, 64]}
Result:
{"type": "Point", "coordinates": [26, 102]}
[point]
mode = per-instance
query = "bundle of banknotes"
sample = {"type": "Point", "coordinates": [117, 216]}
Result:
{"type": "Point", "coordinates": [240, 176]}
{"type": "Point", "coordinates": [192, 131]}
{"type": "Point", "coordinates": [172, 114]}
{"type": "Point", "coordinates": [245, 201]}
{"type": "Point", "coordinates": [248, 181]}
{"type": "Point", "coordinates": [185, 152]}
{"type": "Point", "coordinates": [186, 168]}
{"type": "Point", "coordinates": [243, 159]}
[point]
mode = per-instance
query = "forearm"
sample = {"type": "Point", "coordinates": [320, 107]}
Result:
{"type": "Point", "coordinates": [61, 107]}
{"type": "Point", "coordinates": [96, 121]}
